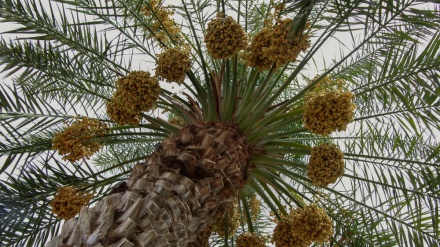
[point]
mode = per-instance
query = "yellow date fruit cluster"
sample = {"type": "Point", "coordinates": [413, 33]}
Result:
{"type": "Point", "coordinates": [326, 165]}
{"type": "Point", "coordinates": [135, 93]}
{"type": "Point", "coordinates": [325, 112]}
{"type": "Point", "coordinates": [224, 37]}
{"type": "Point", "coordinates": [254, 54]}
{"type": "Point", "coordinates": [275, 45]}
{"type": "Point", "coordinates": [233, 222]}
{"type": "Point", "coordinates": [302, 227]}
{"type": "Point", "coordinates": [162, 25]}
{"type": "Point", "coordinates": [173, 64]}
{"type": "Point", "coordinates": [250, 240]}
{"type": "Point", "coordinates": [177, 120]}
{"type": "Point", "coordinates": [68, 202]}
{"type": "Point", "coordinates": [284, 236]}
{"type": "Point", "coordinates": [204, 236]}
{"type": "Point", "coordinates": [254, 204]}
{"type": "Point", "coordinates": [77, 140]}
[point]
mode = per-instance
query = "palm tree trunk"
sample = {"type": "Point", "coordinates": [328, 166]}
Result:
{"type": "Point", "coordinates": [186, 184]}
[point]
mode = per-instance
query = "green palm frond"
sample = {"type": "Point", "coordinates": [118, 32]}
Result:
{"type": "Point", "coordinates": [69, 53]}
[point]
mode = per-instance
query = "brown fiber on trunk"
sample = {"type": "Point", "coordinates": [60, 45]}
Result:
{"type": "Point", "coordinates": [186, 184]}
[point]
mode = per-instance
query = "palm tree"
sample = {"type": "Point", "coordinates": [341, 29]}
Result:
{"type": "Point", "coordinates": [253, 116]}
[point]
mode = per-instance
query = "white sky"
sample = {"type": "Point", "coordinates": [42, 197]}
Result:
{"type": "Point", "coordinates": [326, 54]}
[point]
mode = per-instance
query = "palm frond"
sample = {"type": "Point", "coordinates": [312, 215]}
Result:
{"type": "Point", "coordinates": [64, 65]}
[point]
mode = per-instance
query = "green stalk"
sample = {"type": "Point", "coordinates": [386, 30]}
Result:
{"type": "Point", "coordinates": [175, 97]}
{"type": "Point", "coordinates": [246, 18]}
{"type": "Point", "coordinates": [229, 105]}
{"type": "Point", "coordinates": [262, 90]}
{"type": "Point", "coordinates": [148, 126]}
{"type": "Point", "coordinates": [135, 134]}
{"type": "Point", "coordinates": [201, 94]}
{"type": "Point", "coordinates": [223, 7]}
{"type": "Point", "coordinates": [180, 110]}
{"type": "Point", "coordinates": [259, 133]}
{"type": "Point", "coordinates": [139, 140]}
{"type": "Point", "coordinates": [162, 123]}
{"type": "Point", "coordinates": [276, 136]}
{"type": "Point", "coordinates": [291, 114]}
{"type": "Point", "coordinates": [276, 180]}
{"type": "Point", "coordinates": [263, 159]}
{"type": "Point", "coordinates": [240, 210]}
{"type": "Point", "coordinates": [251, 83]}
{"type": "Point", "coordinates": [276, 150]}
{"type": "Point", "coordinates": [296, 177]}
{"type": "Point", "coordinates": [210, 112]}
{"type": "Point", "coordinates": [243, 76]}
{"type": "Point", "coordinates": [246, 212]}
{"type": "Point", "coordinates": [254, 102]}
{"type": "Point", "coordinates": [225, 87]}
{"type": "Point", "coordinates": [257, 187]}
{"type": "Point", "coordinates": [259, 174]}
{"type": "Point", "coordinates": [288, 143]}
{"type": "Point", "coordinates": [273, 117]}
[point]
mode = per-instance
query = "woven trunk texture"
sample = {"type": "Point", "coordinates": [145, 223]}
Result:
{"type": "Point", "coordinates": [186, 184]}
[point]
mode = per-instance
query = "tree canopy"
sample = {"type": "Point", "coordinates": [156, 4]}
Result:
{"type": "Point", "coordinates": [304, 81]}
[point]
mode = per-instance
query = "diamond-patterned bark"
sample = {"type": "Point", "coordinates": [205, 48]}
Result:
{"type": "Point", "coordinates": [186, 184]}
